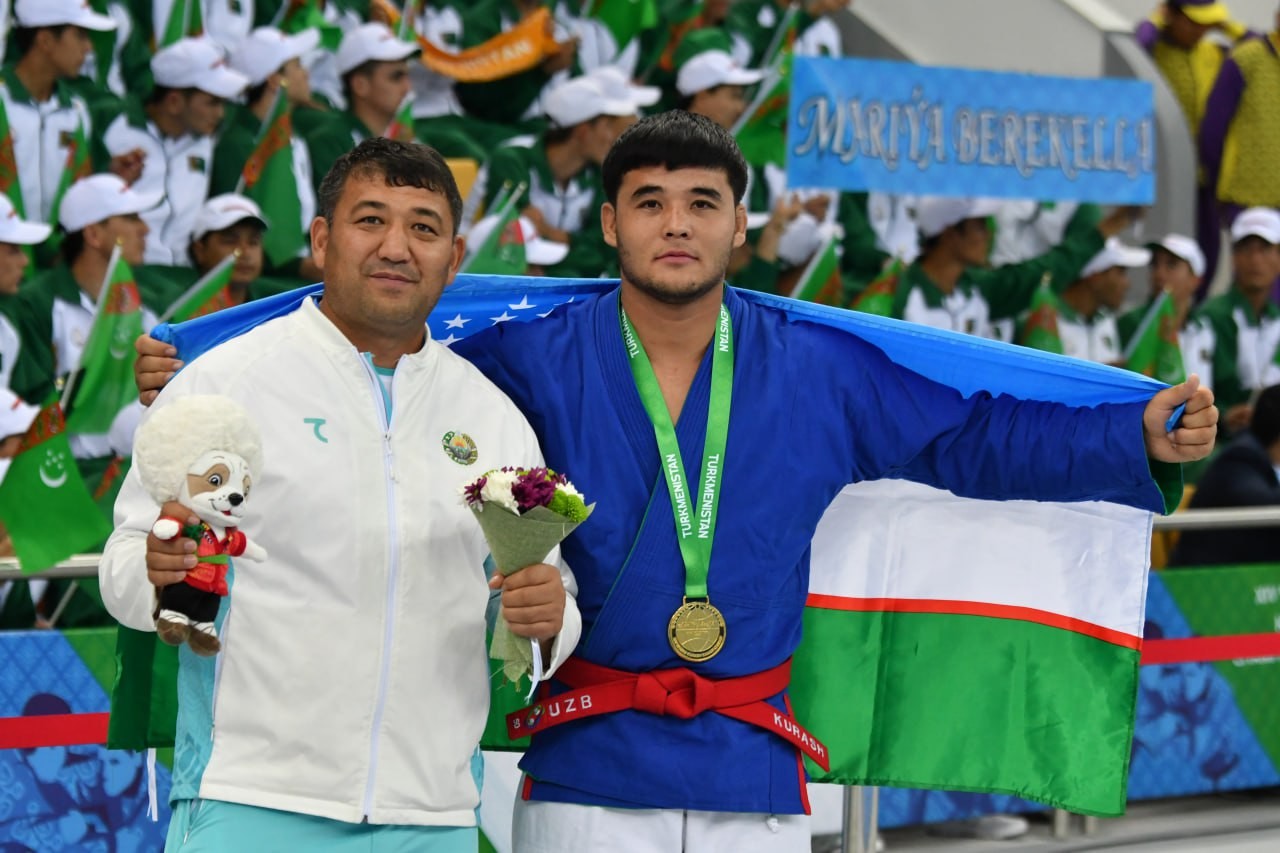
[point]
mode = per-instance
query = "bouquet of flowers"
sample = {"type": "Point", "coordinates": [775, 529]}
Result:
{"type": "Point", "coordinates": [524, 513]}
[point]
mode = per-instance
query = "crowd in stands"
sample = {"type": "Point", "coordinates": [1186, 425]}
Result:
{"type": "Point", "coordinates": [155, 132]}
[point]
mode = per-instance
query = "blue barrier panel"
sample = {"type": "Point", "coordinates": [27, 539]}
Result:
{"type": "Point", "coordinates": [862, 124]}
{"type": "Point", "coordinates": [65, 798]}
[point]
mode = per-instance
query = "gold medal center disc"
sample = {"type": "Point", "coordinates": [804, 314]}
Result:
{"type": "Point", "coordinates": [696, 631]}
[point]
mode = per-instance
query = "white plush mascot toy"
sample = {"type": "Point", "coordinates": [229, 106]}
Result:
{"type": "Point", "coordinates": [203, 452]}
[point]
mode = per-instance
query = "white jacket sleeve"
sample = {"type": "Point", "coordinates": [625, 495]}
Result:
{"type": "Point", "coordinates": [122, 573]}
{"type": "Point", "coordinates": [571, 629]}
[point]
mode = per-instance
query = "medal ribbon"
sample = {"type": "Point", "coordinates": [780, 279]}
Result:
{"type": "Point", "coordinates": [695, 526]}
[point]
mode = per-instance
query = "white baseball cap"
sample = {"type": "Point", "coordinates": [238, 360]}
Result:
{"type": "Point", "coordinates": [1182, 247]}
{"type": "Point", "coordinates": [14, 229]}
{"type": "Point", "coordinates": [55, 13]}
{"type": "Point", "coordinates": [16, 417]}
{"type": "Point", "coordinates": [197, 63]}
{"type": "Point", "coordinates": [713, 68]}
{"type": "Point", "coordinates": [936, 213]}
{"type": "Point", "coordinates": [372, 42]}
{"type": "Point", "coordinates": [1116, 254]}
{"type": "Point", "coordinates": [537, 250]}
{"type": "Point", "coordinates": [265, 50]}
{"type": "Point", "coordinates": [1261, 222]}
{"type": "Point", "coordinates": [223, 211]}
{"type": "Point", "coordinates": [100, 197]}
{"type": "Point", "coordinates": [618, 87]}
{"type": "Point", "coordinates": [582, 99]}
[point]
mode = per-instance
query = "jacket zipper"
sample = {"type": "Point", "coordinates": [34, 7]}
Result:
{"type": "Point", "coordinates": [384, 671]}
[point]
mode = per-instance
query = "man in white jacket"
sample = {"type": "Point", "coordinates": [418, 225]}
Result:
{"type": "Point", "coordinates": [345, 708]}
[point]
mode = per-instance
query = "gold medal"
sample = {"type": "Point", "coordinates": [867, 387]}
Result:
{"type": "Point", "coordinates": [696, 630]}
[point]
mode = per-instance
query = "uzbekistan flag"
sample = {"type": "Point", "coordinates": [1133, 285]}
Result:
{"type": "Point", "coordinates": [949, 642]}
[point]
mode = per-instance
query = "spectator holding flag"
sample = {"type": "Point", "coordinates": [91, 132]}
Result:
{"type": "Point", "coordinates": [1177, 265]}
{"type": "Point", "coordinates": [74, 329]}
{"type": "Point", "coordinates": [1087, 307]}
{"type": "Point", "coordinates": [948, 287]}
{"type": "Point", "coordinates": [60, 306]}
{"type": "Point", "coordinates": [174, 128]}
{"type": "Point", "coordinates": [227, 262]}
{"type": "Point", "coordinates": [1244, 320]}
{"type": "Point", "coordinates": [45, 118]}
{"type": "Point", "coordinates": [374, 67]}
{"type": "Point", "coordinates": [510, 245]}
{"type": "Point", "coordinates": [556, 180]}
{"type": "Point", "coordinates": [272, 63]}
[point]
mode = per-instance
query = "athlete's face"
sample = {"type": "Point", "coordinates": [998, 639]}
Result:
{"type": "Point", "coordinates": [674, 230]}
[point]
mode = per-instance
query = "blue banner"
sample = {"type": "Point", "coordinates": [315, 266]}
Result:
{"type": "Point", "coordinates": [897, 127]}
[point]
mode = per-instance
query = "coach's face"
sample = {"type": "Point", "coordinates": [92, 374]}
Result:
{"type": "Point", "coordinates": [387, 255]}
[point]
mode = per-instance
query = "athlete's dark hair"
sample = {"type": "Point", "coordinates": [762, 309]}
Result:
{"type": "Point", "coordinates": [677, 140]}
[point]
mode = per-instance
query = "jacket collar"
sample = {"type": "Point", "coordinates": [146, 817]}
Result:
{"type": "Point", "coordinates": [336, 343]}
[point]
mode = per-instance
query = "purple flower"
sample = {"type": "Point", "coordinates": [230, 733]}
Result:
{"type": "Point", "coordinates": [533, 488]}
{"type": "Point", "coordinates": [472, 492]}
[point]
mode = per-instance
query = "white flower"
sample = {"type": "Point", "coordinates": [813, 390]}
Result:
{"type": "Point", "coordinates": [497, 490]}
{"type": "Point", "coordinates": [569, 490]}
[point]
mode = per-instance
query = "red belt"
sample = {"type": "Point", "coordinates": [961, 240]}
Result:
{"type": "Point", "coordinates": [677, 692]}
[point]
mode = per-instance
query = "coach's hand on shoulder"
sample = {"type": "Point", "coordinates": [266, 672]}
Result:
{"type": "Point", "coordinates": [155, 365]}
{"type": "Point", "coordinates": [1196, 432]}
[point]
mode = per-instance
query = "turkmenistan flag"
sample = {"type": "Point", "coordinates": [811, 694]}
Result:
{"type": "Point", "coordinates": [625, 20]}
{"type": "Point", "coordinates": [1154, 350]}
{"type": "Point", "coordinates": [502, 252]}
{"type": "Point", "coordinates": [877, 297]}
{"type": "Point", "coordinates": [182, 18]}
{"type": "Point", "coordinates": [405, 29]}
{"type": "Point", "coordinates": [76, 167]}
{"type": "Point", "coordinates": [268, 179]}
{"type": "Point", "coordinates": [761, 132]}
{"type": "Point", "coordinates": [401, 127]}
{"type": "Point", "coordinates": [9, 183]}
{"type": "Point", "coordinates": [298, 15]}
{"type": "Point", "coordinates": [1040, 330]}
{"type": "Point", "coordinates": [205, 296]}
{"type": "Point", "coordinates": [43, 501]}
{"type": "Point", "coordinates": [820, 281]}
{"type": "Point", "coordinates": [103, 384]}
{"type": "Point", "coordinates": [954, 643]}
